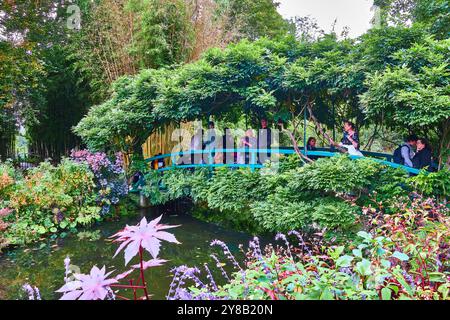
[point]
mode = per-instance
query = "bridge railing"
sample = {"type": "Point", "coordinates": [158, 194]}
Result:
{"type": "Point", "coordinates": [253, 156]}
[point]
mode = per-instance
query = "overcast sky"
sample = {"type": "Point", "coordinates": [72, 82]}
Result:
{"type": "Point", "coordinates": [355, 14]}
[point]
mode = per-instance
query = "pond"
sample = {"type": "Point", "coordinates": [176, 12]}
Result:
{"type": "Point", "coordinates": [42, 265]}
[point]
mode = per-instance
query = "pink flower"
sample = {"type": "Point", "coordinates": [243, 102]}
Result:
{"type": "Point", "coordinates": [150, 263]}
{"type": "Point", "coordinates": [124, 274]}
{"type": "Point", "coordinates": [94, 286]}
{"type": "Point", "coordinates": [4, 212]}
{"type": "Point", "coordinates": [145, 235]}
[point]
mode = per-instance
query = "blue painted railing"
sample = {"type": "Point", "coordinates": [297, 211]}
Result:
{"type": "Point", "coordinates": [253, 163]}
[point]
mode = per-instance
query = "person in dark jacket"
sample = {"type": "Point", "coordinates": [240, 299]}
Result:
{"type": "Point", "coordinates": [422, 158]}
{"type": "Point", "coordinates": [264, 141]}
{"type": "Point", "coordinates": [405, 152]}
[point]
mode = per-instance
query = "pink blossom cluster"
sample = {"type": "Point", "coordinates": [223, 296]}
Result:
{"type": "Point", "coordinates": [4, 212]}
{"type": "Point", "coordinates": [98, 161]}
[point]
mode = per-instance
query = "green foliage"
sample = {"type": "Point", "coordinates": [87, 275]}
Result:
{"type": "Point", "coordinates": [256, 18]}
{"type": "Point", "coordinates": [433, 184]}
{"type": "Point", "coordinates": [279, 213]}
{"type": "Point", "coordinates": [328, 193]}
{"type": "Point", "coordinates": [400, 257]}
{"type": "Point", "coordinates": [431, 15]}
{"type": "Point", "coordinates": [233, 190]}
{"type": "Point", "coordinates": [338, 174]}
{"type": "Point", "coordinates": [124, 121]}
{"type": "Point", "coordinates": [49, 199]}
{"type": "Point", "coordinates": [332, 213]}
{"type": "Point", "coordinates": [162, 32]}
{"type": "Point", "coordinates": [414, 94]}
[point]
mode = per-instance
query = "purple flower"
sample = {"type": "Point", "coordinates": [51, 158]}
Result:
{"type": "Point", "coordinates": [281, 236]}
{"type": "Point", "coordinates": [210, 277]}
{"type": "Point", "coordinates": [256, 247]}
{"type": "Point", "coordinates": [33, 292]}
{"type": "Point", "coordinates": [227, 252]}
{"type": "Point", "coordinates": [67, 268]}
{"type": "Point", "coordinates": [302, 242]}
{"type": "Point", "coordinates": [220, 267]}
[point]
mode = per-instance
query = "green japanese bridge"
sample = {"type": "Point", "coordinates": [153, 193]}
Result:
{"type": "Point", "coordinates": [382, 158]}
{"type": "Point", "coordinates": [320, 152]}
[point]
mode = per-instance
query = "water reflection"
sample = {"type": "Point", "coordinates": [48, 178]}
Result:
{"type": "Point", "coordinates": [44, 267]}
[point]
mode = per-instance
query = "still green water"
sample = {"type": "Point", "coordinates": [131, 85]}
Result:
{"type": "Point", "coordinates": [44, 267]}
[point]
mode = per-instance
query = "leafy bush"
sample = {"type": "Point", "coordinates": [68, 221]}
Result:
{"type": "Point", "coordinates": [233, 190]}
{"type": "Point", "coordinates": [279, 213]}
{"type": "Point", "coordinates": [328, 193]}
{"type": "Point", "coordinates": [174, 184]}
{"type": "Point", "coordinates": [400, 256]}
{"type": "Point", "coordinates": [338, 174]}
{"type": "Point", "coordinates": [332, 213]}
{"type": "Point", "coordinates": [49, 198]}
{"type": "Point", "coordinates": [109, 176]}
{"type": "Point", "coordinates": [433, 184]}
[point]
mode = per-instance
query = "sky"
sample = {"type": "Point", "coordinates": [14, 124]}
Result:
{"type": "Point", "coordinates": [355, 14]}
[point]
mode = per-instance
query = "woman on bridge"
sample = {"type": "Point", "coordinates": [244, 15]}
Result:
{"type": "Point", "coordinates": [422, 158]}
{"type": "Point", "coordinates": [350, 141]}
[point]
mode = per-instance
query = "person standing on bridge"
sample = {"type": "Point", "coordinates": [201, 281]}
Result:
{"type": "Point", "coordinates": [197, 145]}
{"type": "Point", "coordinates": [404, 153]}
{"type": "Point", "coordinates": [210, 143]}
{"type": "Point", "coordinates": [311, 146]}
{"type": "Point", "coordinates": [248, 141]}
{"type": "Point", "coordinates": [264, 141]}
{"type": "Point", "coordinates": [350, 140]}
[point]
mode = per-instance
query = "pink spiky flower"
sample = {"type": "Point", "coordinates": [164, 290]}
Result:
{"type": "Point", "coordinates": [93, 286]}
{"type": "Point", "coordinates": [146, 235]}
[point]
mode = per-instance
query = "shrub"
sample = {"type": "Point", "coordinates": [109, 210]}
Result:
{"type": "Point", "coordinates": [49, 198]}
{"type": "Point", "coordinates": [109, 176]}
{"type": "Point", "coordinates": [433, 184]}
{"type": "Point", "coordinates": [328, 192]}
{"type": "Point", "coordinates": [332, 213]}
{"type": "Point", "coordinates": [279, 213]}
{"type": "Point", "coordinates": [400, 256]}
{"type": "Point", "coordinates": [337, 174]}
{"type": "Point", "coordinates": [232, 190]}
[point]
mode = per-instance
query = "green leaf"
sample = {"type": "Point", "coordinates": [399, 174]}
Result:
{"type": "Point", "coordinates": [357, 253]}
{"type": "Point", "coordinates": [386, 294]}
{"type": "Point", "coordinates": [364, 267]}
{"type": "Point", "coordinates": [400, 256]}
{"type": "Point", "coordinates": [364, 235]}
{"type": "Point", "coordinates": [385, 263]}
{"type": "Point", "coordinates": [41, 230]}
{"type": "Point", "coordinates": [344, 261]}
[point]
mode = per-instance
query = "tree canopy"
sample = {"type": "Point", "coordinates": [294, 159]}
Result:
{"type": "Point", "coordinates": [405, 88]}
{"type": "Point", "coordinates": [51, 74]}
